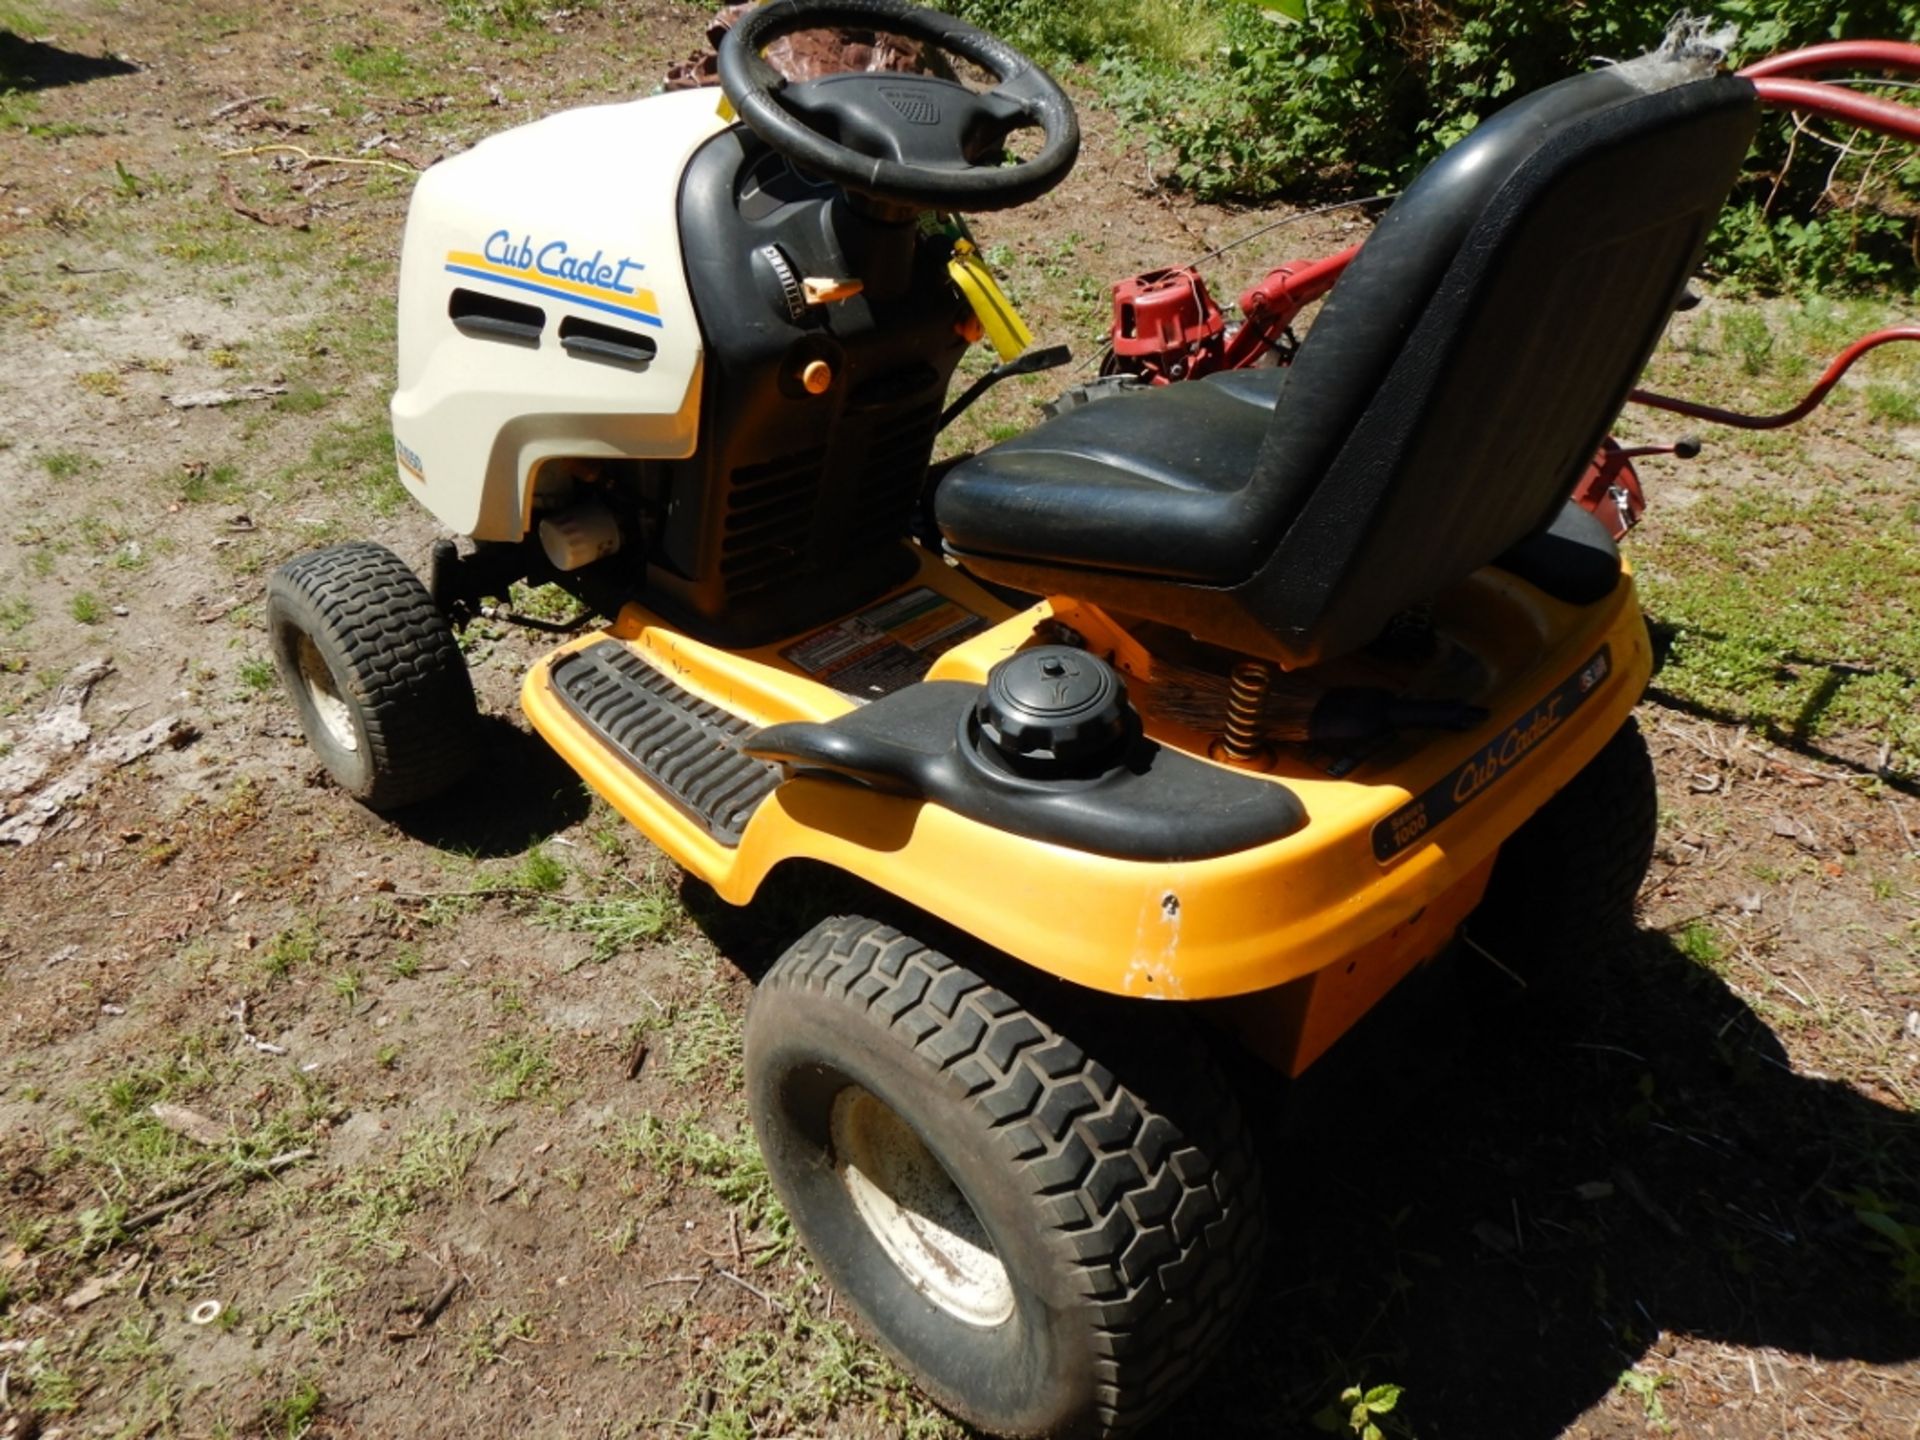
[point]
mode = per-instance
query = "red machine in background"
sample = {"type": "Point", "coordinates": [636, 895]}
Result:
{"type": "Point", "coordinates": [1167, 327]}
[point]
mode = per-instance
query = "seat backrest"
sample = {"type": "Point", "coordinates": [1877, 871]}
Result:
{"type": "Point", "coordinates": [1467, 365]}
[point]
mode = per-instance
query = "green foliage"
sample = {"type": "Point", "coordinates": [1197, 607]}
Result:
{"type": "Point", "coordinates": [1358, 1412]}
{"type": "Point", "coordinates": [1313, 99]}
{"type": "Point", "coordinates": [1896, 1240]}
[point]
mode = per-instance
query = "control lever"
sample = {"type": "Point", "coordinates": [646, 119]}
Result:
{"type": "Point", "coordinates": [1050, 357]}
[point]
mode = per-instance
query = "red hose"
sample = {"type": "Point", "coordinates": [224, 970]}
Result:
{"type": "Point", "coordinates": [1810, 97]}
{"type": "Point", "coordinates": [1840, 54]}
{"type": "Point", "coordinates": [1808, 403]}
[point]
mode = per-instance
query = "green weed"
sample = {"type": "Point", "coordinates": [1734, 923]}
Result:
{"type": "Point", "coordinates": [1697, 941]}
{"type": "Point", "coordinates": [616, 923]}
{"type": "Point", "coordinates": [729, 1166]}
{"type": "Point", "coordinates": [540, 871]}
{"type": "Point", "coordinates": [257, 675]}
{"type": "Point", "coordinates": [67, 464]}
{"type": "Point", "coordinates": [294, 1413]}
{"type": "Point", "coordinates": [517, 1067]}
{"type": "Point", "coordinates": [1359, 1412]}
{"type": "Point", "coordinates": [489, 1335]}
{"type": "Point", "coordinates": [293, 947]}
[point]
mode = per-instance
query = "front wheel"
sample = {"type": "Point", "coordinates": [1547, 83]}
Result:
{"type": "Point", "coordinates": [381, 688]}
{"type": "Point", "coordinates": [1052, 1242]}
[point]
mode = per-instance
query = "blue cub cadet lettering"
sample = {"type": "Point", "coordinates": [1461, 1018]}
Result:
{"type": "Point", "coordinates": [557, 259]}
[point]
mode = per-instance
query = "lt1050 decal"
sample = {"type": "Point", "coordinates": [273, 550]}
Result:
{"type": "Point", "coordinates": [1407, 825]}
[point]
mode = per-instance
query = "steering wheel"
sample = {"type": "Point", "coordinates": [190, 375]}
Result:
{"type": "Point", "coordinates": [914, 141]}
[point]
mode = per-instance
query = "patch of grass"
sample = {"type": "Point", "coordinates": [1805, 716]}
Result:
{"type": "Point", "coordinates": [539, 870]}
{"type": "Point", "coordinates": [16, 613]}
{"type": "Point", "coordinates": [542, 602]}
{"type": "Point", "coordinates": [347, 985]}
{"type": "Point", "coordinates": [295, 946]}
{"type": "Point", "coordinates": [494, 17]}
{"type": "Point", "coordinates": [1893, 404]}
{"type": "Point", "coordinates": [257, 675]}
{"type": "Point", "coordinates": [699, 1037]}
{"type": "Point", "coordinates": [315, 1311]}
{"type": "Point", "coordinates": [1697, 941]}
{"type": "Point", "coordinates": [1746, 336]}
{"type": "Point", "coordinates": [730, 1166]}
{"type": "Point", "coordinates": [792, 1376]}
{"type": "Point", "coordinates": [136, 1340]}
{"type": "Point", "coordinates": [50, 1390]}
{"type": "Point", "coordinates": [200, 483]}
{"type": "Point", "coordinates": [372, 64]}
{"type": "Point", "coordinates": [1798, 615]}
{"type": "Point", "coordinates": [370, 1207]}
{"type": "Point", "coordinates": [100, 382]}
{"type": "Point", "coordinates": [489, 1335]}
{"type": "Point", "coordinates": [616, 923]}
{"type": "Point", "coordinates": [517, 1067]}
{"type": "Point", "coordinates": [67, 464]}
{"type": "Point", "coordinates": [302, 400]}
{"type": "Point", "coordinates": [294, 1413]}
{"type": "Point", "coordinates": [360, 455]}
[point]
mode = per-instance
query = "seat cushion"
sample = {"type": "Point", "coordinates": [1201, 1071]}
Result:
{"type": "Point", "coordinates": [1149, 482]}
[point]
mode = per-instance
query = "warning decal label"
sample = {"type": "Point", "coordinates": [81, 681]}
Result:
{"type": "Point", "coordinates": [886, 646]}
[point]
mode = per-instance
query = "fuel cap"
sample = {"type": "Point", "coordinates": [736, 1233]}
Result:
{"type": "Point", "coordinates": [1053, 707]}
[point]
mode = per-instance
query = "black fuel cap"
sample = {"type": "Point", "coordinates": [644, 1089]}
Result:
{"type": "Point", "coordinates": [1053, 706]}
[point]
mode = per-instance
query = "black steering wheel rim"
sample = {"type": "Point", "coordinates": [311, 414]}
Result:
{"type": "Point", "coordinates": [752, 85]}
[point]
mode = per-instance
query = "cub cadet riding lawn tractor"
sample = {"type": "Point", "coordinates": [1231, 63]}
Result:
{"type": "Point", "coordinates": [1195, 717]}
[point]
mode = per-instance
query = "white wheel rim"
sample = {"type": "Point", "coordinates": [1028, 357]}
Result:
{"type": "Point", "coordinates": [917, 1214]}
{"type": "Point", "coordinates": [328, 705]}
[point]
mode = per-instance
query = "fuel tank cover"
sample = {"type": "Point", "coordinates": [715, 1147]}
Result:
{"type": "Point", "coordinates": [1054, 706]}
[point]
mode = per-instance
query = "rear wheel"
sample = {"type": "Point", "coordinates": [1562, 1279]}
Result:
{"type": "Point", "coordinates": [1564, 887]}
{"type": "Point", "coordinates": [381, 688]}
{"type": "Point", "coordinates": [1052, 1244]}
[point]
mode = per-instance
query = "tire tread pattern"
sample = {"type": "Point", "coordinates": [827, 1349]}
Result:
{"type": "Point", "coordinates": [1166, 1229]}
{"type": "Point", "coordinates": [404, 671]}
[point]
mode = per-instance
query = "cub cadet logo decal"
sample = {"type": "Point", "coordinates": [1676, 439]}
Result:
{"type": "Point", "coordinates": [553, 268]}
{"type": "Point", "coordinates": [1412, 820]}
{"type": "Point", "coordinates": [410, 462]}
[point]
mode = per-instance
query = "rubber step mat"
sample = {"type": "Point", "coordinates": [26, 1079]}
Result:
{"type": "Point", "coordinates": [687, 748]}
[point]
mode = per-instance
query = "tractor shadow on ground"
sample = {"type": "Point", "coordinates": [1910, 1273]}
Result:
{"type": "Point", "coordinates": [519, 793]}
{"type": "Point", "coordinates": [33, 65]}
{"type": "Point", "coordinates": [1797, 736]}
{"type": "Point", "coordinates": [1503, 1208]}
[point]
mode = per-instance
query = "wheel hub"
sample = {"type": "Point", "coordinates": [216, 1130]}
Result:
{"type": "Point", "coordinates": [915, 1212]}
{"type": "Point", "coordinates": [325, 695]}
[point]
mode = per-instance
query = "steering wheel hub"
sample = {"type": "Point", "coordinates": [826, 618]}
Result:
{"type": "Point", "coordinates": [917, 142]}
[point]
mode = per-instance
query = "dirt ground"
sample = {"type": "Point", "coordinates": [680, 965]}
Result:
{"type": "Point", "coordinates": [463, 1150]}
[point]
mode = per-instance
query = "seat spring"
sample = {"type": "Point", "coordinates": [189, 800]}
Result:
{"type": "Point", "coordinates": [1246, 698]}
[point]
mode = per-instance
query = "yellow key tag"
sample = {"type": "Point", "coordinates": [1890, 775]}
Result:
{"type": "Point", "coordinates": [996, 314]}
{"type": "Point", "coordinates": [725, 109]}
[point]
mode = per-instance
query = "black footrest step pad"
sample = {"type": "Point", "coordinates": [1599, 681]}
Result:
{"type": "Point", "coordinates": [688, 749]}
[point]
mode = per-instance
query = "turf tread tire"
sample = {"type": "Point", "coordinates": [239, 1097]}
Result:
{"type": "Point", "coordinates": [394, 661]}
{"type": "Point", "coordinates": [1568, 879]}
{"type": "Point", "coordinates": [1163, 1226]}
{"type": "Point", "coordinates": [1091, 392]}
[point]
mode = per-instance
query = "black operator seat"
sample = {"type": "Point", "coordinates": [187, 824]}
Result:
{"type": "Point", "coordinates": [1445, 402]}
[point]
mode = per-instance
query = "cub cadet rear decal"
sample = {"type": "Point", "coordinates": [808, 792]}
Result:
{"type": "Point", "coordinates": [553, 268]}
{"type": "Point", "coordinates": [1414, 819]}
